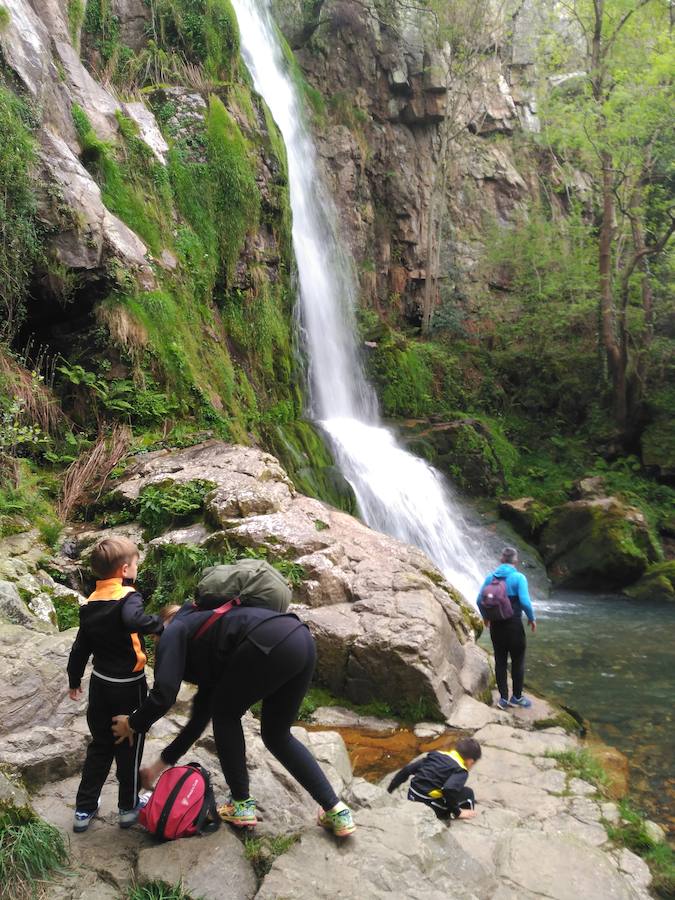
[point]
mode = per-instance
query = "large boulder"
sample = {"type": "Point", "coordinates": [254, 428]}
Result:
{"type": "Point", "coordinates": [388, 626]}
{"type": "Point", "coordinates": [527, 515]}
{"type": "Point", "coordinates": [467, 450]}
{"type": "Point", "coordinates": [600, 543]}
{"type": "Point", "coordinates": [657, 583]}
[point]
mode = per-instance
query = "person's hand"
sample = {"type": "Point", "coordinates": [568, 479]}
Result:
{"type": "Point", "coordinates": [467, 814]}
{"type": "Point", "coordinates": [533, 626]}
{"type": "Point", "coordinates": [151, 773]}
{"type": "Point", "coordinates": [75, 693]}
{"type": "Point", "coordinates": [122, 730]}
{"type": "Point", "coordinates": [486, 623]}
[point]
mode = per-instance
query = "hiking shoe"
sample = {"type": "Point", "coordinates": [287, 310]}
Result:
{"type": "Point", "coordinates": [503, 704]}
{"type": "Point", "coordinates": [338, 820]}
{"type": "Point", "coordinates": [82, 820]}
{"type": "Point", "coordinates": [128, 817]}
{"type": "Point", "coordinates": [239, 812]}
{"type": "Point", "coordinates": [520, 701]}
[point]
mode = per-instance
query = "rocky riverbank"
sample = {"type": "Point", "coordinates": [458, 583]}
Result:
{"type": "Point", "coordinates": [388, 627]}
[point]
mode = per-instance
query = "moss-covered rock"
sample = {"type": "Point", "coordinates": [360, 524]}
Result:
{"type": "Point", "coordinates": [527, 515]}
{"type": "Point", "coordinates": [475, 455]}
{"type": "Point", "coordinates": [657, 583]}
{"type": "Point", "coordinates": [307, 459]}
{"type": "Point", "coordinates": [597, 543]}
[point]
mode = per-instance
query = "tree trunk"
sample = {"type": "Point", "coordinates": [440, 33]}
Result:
{"type": "Point", "coordinates": [615, 359]}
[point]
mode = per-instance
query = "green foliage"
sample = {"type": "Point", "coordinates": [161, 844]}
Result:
{"type": "Point", "coordinates": [75, 19]}
{"type": "Point", "coordinates": [659, 856]}
{"type": "Point", "coordinates": [20, 242]}
{"type": "Point", "coordinates": [31, 851]}
{"type": "Point", "coordinates": [236, 198]}
{"type": "Point", "coordinates": [67, 612]}
{"type": "Point", "coordinates": [582, 764]}
{"type": "Point", "coordinates": [135, 187]}
{"type": "Point", "coordinates": [169, 574]}
{"type": "Point", "coordinates": [157, 890]}
{"type": "Point", "coordinates": [203, 31]}
{"type": "Point", "coordinates": [262, 851]}
{"type": "Point", "coordinates": [5, 18]}
{"type": "Point", "coordinates": [166, 504]}
{"type": "Point", "coordinates": [24, 501]}
{"type": "Point", "coordinates": [50, 532]}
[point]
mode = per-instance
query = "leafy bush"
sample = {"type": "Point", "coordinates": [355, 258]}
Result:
{"type": "Point", "coordinates": [169, 573]}
{"type": "Point", "coordinates": [30, 852]}
{"type": "Point", "coordinates": [166, 504]}
{"type": "Point", "coordinates": [67, 612]}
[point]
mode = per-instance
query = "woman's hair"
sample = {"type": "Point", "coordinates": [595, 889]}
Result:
{"type": "Point", "coordinates": [167, 612]}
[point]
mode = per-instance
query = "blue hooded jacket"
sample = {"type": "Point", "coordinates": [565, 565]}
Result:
{"type": "Point", "coordinates": [516, 588]}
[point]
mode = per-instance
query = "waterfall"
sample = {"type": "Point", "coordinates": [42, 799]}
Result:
{"type": "Point", "coordinates": [397, 493]}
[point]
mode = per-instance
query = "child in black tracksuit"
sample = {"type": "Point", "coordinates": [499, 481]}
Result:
{"type": "Point", "coordinates": [439, 780]}
{"type": "Point", "coordinates": [112, 625]}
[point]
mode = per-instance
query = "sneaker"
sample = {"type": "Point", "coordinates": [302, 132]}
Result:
{"type": "Point", "coordinates": [239, 812]}
{"type": "Point", "coordinates": [338, 820]}
{"type": "Point", "coordinates": [503, 704]}
{"type": "Point", "coordinates": [128, 817]}
{"type": "Point", "coordinates": [82, 820]}
{"type": "Point", "coordinates": [520, 701]}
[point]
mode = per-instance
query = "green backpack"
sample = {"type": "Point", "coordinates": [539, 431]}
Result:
{"type": "Point", "coordinates": [254, 581]}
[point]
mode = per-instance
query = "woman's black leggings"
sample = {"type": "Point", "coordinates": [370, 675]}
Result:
{"type": "Point", "coordinates": [508, 639]}
{"type": "Point", "coordinates": [280, 679]}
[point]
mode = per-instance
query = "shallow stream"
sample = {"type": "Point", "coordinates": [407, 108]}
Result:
{"type": "Point", "coordinates": [611, 660]}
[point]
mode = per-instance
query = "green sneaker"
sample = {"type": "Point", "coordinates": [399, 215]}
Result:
{"type": "Point", "coordinates": [239, 812]}
{"type": "Point", "coordinates": [338, 820]}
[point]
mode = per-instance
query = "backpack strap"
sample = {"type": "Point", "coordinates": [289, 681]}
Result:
{"type": "Point", "coordinates": [217, 614]}
{"type": "Point", "coordinates": [208, 819]}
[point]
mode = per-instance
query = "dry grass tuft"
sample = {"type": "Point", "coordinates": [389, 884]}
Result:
{"type": "Point", "coordinates": [124, 329]}
{"type": "Point", "coordinates": [87, 475]}
{"type": "Point", "coordinates": [40, 407]}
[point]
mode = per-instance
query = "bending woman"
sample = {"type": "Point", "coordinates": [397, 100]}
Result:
{"type": "Point", "coordinates": [249, 654]}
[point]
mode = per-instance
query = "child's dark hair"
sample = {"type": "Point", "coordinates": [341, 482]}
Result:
{"type": "Point", "coordinates": [469, 749]}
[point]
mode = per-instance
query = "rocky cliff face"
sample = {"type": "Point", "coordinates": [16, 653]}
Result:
{"type": "Point", "coordinates": [383, 137]}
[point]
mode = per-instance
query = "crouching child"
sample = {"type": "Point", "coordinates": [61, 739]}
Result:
{"type": "Point", "coordinates": [439, 780]}
{"type": "Point", "coordinates": [112, 625]}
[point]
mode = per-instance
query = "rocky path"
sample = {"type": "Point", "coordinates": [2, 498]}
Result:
{"type": "Point", "coordinates": [539, 834]}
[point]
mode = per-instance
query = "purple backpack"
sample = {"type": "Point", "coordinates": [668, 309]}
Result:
{"type": "Point", "coordinates": [495, 602]}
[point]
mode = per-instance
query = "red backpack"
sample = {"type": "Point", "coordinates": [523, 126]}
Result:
{"type": "Point", "coordinates": [181, 805]}
{"type": "Point", "coordinates": [494, 601]}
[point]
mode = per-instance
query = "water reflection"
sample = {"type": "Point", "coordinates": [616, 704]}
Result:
{"type": "Point", "coordinates": [611, 659]}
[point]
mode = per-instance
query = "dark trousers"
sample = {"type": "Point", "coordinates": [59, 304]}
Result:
{"type": "Point", "coordinates": [280, 679]}
{"type": "Point", "coordinates": [108, 699]}
{"type": "Point", "coordinates": [508, 639]}
{"type": "Point", "coordinates": [446, 808]}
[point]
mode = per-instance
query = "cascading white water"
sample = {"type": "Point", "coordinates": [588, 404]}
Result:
{"type": "Point", "coordinates": [397, 493]}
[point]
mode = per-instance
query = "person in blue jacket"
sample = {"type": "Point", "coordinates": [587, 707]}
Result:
{"type": "Point", "coordinates": [508, 635]}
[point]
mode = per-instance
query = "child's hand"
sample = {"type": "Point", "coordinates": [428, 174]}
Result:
{"type": "Point", "coordinates": [75, 693]}
{"type": "Point", "coordinates": [467, 814]}
{"type": "Point", "coordinates": [122, 730]}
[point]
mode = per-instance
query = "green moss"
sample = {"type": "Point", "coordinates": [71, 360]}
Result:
{"type": "Point", "coordinates": [5, 18]}
{"type": "Point", "coordinates": [582, 764]}
{"type": "Point", "coordinates": [658, 582]}
{"type": "Point", "coordinates": [307, 459]}
{"type": "Point", "coordinates": [20, 241]}
{"type": "Point", "coordinates": [204, 31]}
{"type": "Point", "coordinates": [135, 187]}
{"type": "Point", "coordinates": [169, 573]}
{"type": "Point", "coordinates": [75, 19]}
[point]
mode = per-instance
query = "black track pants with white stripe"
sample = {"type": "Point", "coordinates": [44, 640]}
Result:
{"type": "Point", "coordinates": [108, 699]}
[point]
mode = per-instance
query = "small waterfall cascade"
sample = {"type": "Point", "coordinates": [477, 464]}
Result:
{"type": "Point", "coordinates": [397, 493]}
